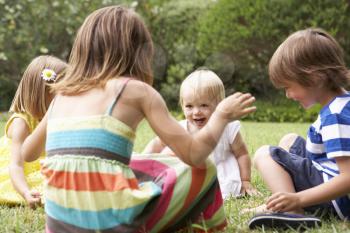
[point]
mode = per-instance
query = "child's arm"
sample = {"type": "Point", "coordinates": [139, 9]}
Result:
{"type": "Point", "coordinates": [193, 149]}
{"type": "Point", "coordinates": [34, 144]}
{"type": "Point", "coordinates": [336, 187]}
{"type": "Point", "coordinates": [154, 146]}
{"type": "Point", "coordinates": [18, 132]}
{"type": "Point", "coordinates": [240, 151]}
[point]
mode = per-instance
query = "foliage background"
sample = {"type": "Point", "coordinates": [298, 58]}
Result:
{"type": "Point", "coordinates": [234, 38]}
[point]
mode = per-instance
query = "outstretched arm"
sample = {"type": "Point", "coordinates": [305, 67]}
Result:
{"type": "Point", "coordinates": [193, 149]}
{"type": "Point", "coordinates": [19, 131]}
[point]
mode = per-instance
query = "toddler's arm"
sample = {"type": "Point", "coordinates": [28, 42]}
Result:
{"type": "Point", "coordinates": [193, 149]}
{"type": "Point", "coordinates": [240, 151]}
{"type": "Point", "coordinates": [154, 146]}
{"type": "Point", "coordinates": [18, 132]}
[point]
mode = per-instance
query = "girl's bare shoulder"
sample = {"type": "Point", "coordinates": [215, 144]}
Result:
{"type": "Point", "coordinates": [140, 91]}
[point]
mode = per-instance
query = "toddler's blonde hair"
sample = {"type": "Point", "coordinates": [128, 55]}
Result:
{"type": "Point", "coordinates": [33, 91]}
{"type": "Point", "coordinates": [204, 82]}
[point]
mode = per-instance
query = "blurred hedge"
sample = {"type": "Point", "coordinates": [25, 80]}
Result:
{"type": "Point", "coordinates": [234, 38]}
{"type": "Point", "coordinates": [33, 27]}
{"type": "Point", "coordinates": [249, 31]}
{"type": "Point", "coordinates": [282, 112]}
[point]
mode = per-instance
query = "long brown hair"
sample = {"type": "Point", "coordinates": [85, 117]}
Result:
{"type": "Point", "coordinates": [309, 57]}
{"type": "Point", "coordinates": [33, 92]}
{"type": "Point", "coordinates": [112, 42]}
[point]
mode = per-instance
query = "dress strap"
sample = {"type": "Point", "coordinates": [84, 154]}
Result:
{"type": "Point", "coordinates": [49, 111]}
{"type": "Point", "coordinates": [119, 93]}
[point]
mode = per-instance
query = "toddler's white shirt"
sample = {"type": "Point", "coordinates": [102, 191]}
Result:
{"type": "Point", "coordinates": [225, 161]}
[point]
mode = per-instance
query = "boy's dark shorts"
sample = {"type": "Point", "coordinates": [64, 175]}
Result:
{"type": "Point", "coordinates": [303, 173]}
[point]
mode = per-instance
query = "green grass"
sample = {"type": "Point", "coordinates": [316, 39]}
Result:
{"type": "Point", "coordinates": [22, 219]}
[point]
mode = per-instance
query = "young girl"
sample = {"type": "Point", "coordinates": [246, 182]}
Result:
{"type": "Point", "coordinates": [28, 107]}
{"type": "Point", "coordinates": [200, 93]}
{"type": "Point", "coordinates": [90, 128]}
{"type": "Point", "coordinates": [313, 174]}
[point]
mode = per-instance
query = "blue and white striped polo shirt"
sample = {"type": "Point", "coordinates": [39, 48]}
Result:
{"type": "Point", "coordinates": [329, 137]}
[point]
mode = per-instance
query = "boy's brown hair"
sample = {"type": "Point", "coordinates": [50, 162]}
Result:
{"type": "Point", "coordinates": [309, 57]}
{"type": "Point", "coordinates": [112, 42]}
{"type": "Point", "coordinates": [33, 92]}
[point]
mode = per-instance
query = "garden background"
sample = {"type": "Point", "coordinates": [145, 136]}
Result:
{"type": "Point", "coordinates": [235, 38]}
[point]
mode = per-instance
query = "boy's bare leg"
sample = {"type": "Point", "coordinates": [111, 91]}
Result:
{"type": "Point", "coordinates": [276, 178]}
{"type": "Point", "coordinates": [287, 141]}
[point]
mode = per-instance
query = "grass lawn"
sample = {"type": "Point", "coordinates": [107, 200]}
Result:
{"type": "Point", "coordinates": [22, 219]}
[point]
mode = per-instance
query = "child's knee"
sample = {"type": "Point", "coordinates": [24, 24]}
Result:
{"type": "Point", "coordinates": [287, 141]}
{"type": "Point", "coordinates": [260, 155]}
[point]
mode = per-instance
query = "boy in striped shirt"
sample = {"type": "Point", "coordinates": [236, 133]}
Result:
{"type": "Point", "coordinates": [311, 175]}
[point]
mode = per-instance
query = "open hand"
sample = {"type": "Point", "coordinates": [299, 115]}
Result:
{"type": "Point", "coordinates": [236, 106]}
{"type": "Point", "coordinates": [33, 198]}
{"type": "Point", "coordinates": [248, 189]}
{"type": "Point", "coordinates": [283, 202]}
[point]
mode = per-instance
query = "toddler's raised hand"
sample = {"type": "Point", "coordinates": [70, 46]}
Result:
{"type": "Point", "coordinates": [236, 106]}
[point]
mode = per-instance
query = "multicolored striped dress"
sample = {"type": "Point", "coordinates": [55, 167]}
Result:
{"type": "Point", "coordinates": [90, 187]}
{"type": "Point", "coordinates": [191, 197]}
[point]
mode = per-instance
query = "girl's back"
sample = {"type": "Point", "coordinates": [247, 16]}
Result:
{"type": "Point", "coordinates": [88, 153]}
{"type": "Point", "coordinates": [97, 101]}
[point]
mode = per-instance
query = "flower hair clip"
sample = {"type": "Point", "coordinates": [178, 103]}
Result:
{"type": "Point", "coordinates": [48, 75]}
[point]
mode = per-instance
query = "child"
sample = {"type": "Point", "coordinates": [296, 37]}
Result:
{"type": "Point", "coordinates": [28, 107]}
{"type": "Point", "coordinates": [200, 93]}
{"type": "Point", "coordinates": [90, 128]}
{"type": "Point", "coordinates": [313, 175]}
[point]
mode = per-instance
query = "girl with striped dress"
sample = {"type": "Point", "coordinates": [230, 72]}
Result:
{"type": "Point", "coordinates": [89, 132]}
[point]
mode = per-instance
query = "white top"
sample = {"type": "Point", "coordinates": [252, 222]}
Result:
{"type": "Point", "coordinates": [225, 161]}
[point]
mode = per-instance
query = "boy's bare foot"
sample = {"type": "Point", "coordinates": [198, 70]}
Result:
{"type": "Point", "coordinates": [262, 209]}
{"type": "Point", "coordinates": [256, 210]}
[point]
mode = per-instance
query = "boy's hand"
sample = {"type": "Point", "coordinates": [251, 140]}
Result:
{"type": "Point", "coordinates": [236, 106]}
{"type": "Point", "coordinates": [248, 189]}
{"type": "Point", "coordinates": [33, 198]}
{"type": "Point", "coordinates": [283, 202]}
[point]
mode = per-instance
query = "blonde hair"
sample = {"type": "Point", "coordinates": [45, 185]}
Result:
{"type": "Point", "coordinates": [32, 93]}
{"type": "Point", "coordinates": [309, 57]}
{"type": "Point", "coordinates": [112, 42]}
{"type": "Point", "coordinates": [204, 82]}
